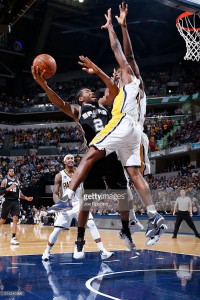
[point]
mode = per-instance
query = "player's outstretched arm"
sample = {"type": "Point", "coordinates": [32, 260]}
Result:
{"type": "Point", "coordinates": [70, 110]}
{"type": "Point", "coordinates": [21, 196]}
{"type": "Point", "coordinates": [114, 42]}
{"type": "Point", "coordinates": [91, 68]}
{"type": "Point", "coordinates": [127, 45]}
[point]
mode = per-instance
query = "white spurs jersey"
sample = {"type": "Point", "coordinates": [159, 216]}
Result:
{"type": "Point", "coordinates": [66, 179]}
{"type": "Point", "coordinates": [127, 101]}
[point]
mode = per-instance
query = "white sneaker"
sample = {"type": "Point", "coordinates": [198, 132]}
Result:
{"type": "Point", "coordinates": [151, 241]}
{"type": "Point", "coordinates": [45, 255]}
{"type": "Point", "coordinates": [79, 250]}
{"type": "Point", "coordinates": [154, 239]}
{"type": "Point", "coordinates": [105, 254]}
{"type": "Point", "coordinates": [130, 245]}
{"type": "Point", "coordinates": [14, 241]}
{"type": "Point", "coordinates": [135, 226]}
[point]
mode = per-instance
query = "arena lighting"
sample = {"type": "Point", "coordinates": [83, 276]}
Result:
{"type": "Point", "coordinates": [80, 1]}
{"type": "Point", "coordinates": [17, 46]}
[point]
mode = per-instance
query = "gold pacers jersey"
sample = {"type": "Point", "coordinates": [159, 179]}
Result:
{"type": "Point", "coordinates": [127, 101]}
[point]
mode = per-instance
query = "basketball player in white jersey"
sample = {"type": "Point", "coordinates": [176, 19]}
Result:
{"type": "Point", "coordinates": [145, 163]}
{"type": "Point", "coordinates": [121, 134]}
{"type": "Point", "coordinates": [63, 221]}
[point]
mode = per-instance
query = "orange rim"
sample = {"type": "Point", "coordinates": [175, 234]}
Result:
{"type": "Point", "coordinates": [183, 15]}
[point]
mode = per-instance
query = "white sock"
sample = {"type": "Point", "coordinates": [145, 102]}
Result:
{"type": "Point", "coordinates": [100, 246]}
{"type": "Point", "coordinates": [70, 193]}
{"type": "Point", "coordinates": [132, 215]}
{"type": "Point", "coordinates": [151, 210]}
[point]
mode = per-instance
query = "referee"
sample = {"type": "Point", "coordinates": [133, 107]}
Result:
{"type": "Point", "coordinates": [184, 206]}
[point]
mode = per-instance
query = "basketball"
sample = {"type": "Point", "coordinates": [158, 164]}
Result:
{"type": "Point", "coordinates": [45, 62]}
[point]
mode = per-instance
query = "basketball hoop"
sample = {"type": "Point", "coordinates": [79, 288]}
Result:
{"type": "Point", "coordinates": [186, 25]}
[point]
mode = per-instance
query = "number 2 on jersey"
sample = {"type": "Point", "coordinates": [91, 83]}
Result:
{"type": "Point", "coordinates": [98, 125]}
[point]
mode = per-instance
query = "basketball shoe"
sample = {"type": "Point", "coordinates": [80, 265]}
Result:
{"type": "Point", "coordinates": [14, 241]}
{"type": "Point", "coordinates": [45, 255]}
{"type": "Point", "coordinates": [79, 250]}
{"type": "Point", "coordinates": [105, 254]}
{"type": "Point", "coordinates": [128, 240]}
{"type": "Point", "coordinates": [154, 223]}
{"type": "Point", "coordinates": [63, 204]}
{"type": "Point", "coordinates": [154, 239]}
{"type": "Point", "coordinates": [135, 226]}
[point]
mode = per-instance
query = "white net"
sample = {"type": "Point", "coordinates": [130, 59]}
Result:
{"type": "Point", "coordinates": [191, 34]}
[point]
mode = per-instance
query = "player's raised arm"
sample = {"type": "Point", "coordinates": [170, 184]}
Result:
{"type": "Point", "coordinates": [91, 68]}
{"type": "Point", "coordinates": [70, 110]}
{"type": "Point", "coordinates": [127, 45]}
{"type": "Point", "coordinates": [115, 44]}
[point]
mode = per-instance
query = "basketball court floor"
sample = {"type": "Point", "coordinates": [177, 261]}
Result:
{"type": "Point", "coordinates": [168, 270]}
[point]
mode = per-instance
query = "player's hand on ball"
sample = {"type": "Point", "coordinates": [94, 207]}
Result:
{"type": "Point", "coordinates": [39, 78]}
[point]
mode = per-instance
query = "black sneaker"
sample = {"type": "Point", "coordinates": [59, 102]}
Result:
{"type": "Point", "coordinates": [79, 250]}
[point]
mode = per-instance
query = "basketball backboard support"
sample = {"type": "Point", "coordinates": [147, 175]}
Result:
{"type": "Point", "coordinates": [184, 5]}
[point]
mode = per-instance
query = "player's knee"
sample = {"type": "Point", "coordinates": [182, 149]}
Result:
{"type": "Point", "coordinates": [93, 155]}
{"type": "Point", "coordinates": [91, 224]}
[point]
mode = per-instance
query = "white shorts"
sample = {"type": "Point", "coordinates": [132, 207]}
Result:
{"type": "Point", "coordinates": [123, 135]}
{"type": "Point", "coordinates": [64, 218]}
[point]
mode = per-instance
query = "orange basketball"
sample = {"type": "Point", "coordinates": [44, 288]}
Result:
{"type": "Point", "coordinates": [45, 62]}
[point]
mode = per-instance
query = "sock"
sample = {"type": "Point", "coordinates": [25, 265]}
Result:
{"type": "Point", "coordinates": [48, 248]}
{"type": "Point", "coordinates": [126, 230]}
{"type": "Point", "coordinates": [13, 235]}
{"type": "Point", "coordinates": [81, 234]}
{"type": "Point", "coordinates": [132, 215]}
{"type": "Point", "coordinates": [100, 246]}
{"type": "Point", "coordinates": [151, 211]}
{"type": "Point", "coordinates": [70, 193]}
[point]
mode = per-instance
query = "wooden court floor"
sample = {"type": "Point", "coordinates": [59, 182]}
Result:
{"type": "Point", "coordinates": [33, 239]}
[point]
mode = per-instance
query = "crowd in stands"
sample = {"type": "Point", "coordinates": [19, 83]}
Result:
{"type": "Point", "coordinates": [3, 133]}
{"type": "Point", "coordinates": [177, 132]}
{"type": "Point", "coordinates": [156, 128]}
{"type": "Point", "coordinates": [32, 138]}
{"type": "Point", "coordinates": [187, 132]}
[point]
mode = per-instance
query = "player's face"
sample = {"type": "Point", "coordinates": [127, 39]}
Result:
{"type": "Point", "coordinates": [69, 161]}
{"type": "Point", "coordinates": [88, 96]}
{"type": "Point", "coordinates": [11, 172]}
